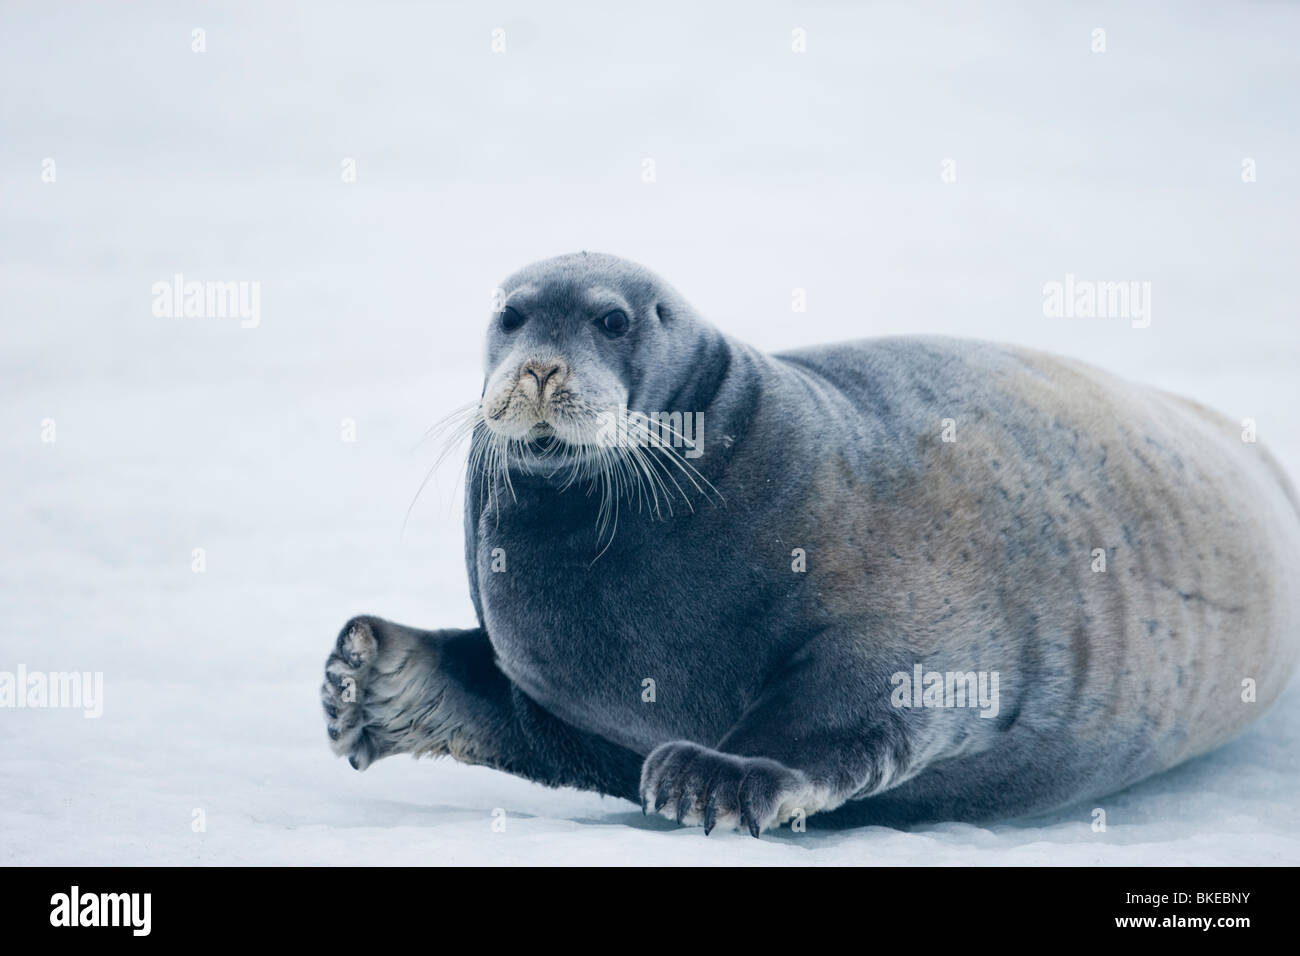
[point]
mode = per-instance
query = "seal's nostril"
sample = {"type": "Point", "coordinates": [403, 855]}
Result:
{"type": "Point", "coordinates": [542, 372]}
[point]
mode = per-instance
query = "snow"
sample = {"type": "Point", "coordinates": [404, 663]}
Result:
{"type": "Point", "coordinates": [774, 171]}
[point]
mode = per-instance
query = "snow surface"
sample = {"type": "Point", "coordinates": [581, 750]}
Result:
{"type": "Point", "coordinates": [775, 171]}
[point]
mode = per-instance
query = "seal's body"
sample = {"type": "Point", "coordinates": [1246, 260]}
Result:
{"type": "Point", "coordinates": [1102, 576]}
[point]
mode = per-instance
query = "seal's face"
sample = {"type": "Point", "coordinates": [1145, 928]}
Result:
{"type": "Point", "coordinates": [586, 355]}
{"type": "Point", "coordinates": [567, 351]}
{"type": "Point", "coordinates": [556, 364]}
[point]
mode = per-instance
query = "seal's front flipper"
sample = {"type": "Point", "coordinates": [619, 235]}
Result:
{"type": "Point", "coordinates": [391, 689]}
{"type": "Point", "coordinates": [823, 732]}
{"type": "Point", "coordinates": [384, 693]}
{"type": "Point", "coordinates": [694, 784]}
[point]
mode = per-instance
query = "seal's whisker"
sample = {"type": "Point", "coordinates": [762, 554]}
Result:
{"type": "Point", "coordinates": [618, 477]}
{"type": "Point", "coordinates": [644, 486]}
{"type": "Point", "coordinates": [666, 427]}
{"type": "Point", "coordinates": [691, 472]}
{"type": "Point", "coordinates": [609, 502]}
{"type": "Point", "coordinates": [460, 420]}
{"type": "Point", "coordinates": [458, 424]}
{"type": "Point", "coordinates": [654, 483]}
{"type": "Point", "coordinates": [608, 483]}
{"type": "Point", "coordinates": [643, 437]}
{"type": "Point", "coordinates": [658, 466]}
{"type": "Point", "coordinates": [655, 464]}
{"type": "Point", "coordinates": [512, 446]}
{"type": "Point", "coordinates": [632, 467]}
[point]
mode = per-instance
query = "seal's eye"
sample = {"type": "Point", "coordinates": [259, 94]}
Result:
{"type": "Point", "coordinates": [614, 323]}
{"type": "Point", "coordinates": [511, 320]}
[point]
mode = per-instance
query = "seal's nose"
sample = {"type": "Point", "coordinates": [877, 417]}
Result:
{"type": "Point", "coordinates": [541, 373]}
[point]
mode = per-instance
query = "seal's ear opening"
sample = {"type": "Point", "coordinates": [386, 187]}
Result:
{"type": "Point", "coordinates": [664, 315]}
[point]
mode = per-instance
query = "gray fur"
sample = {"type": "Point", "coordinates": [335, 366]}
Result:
{"type": "Point", "coordinates": [772, 686]}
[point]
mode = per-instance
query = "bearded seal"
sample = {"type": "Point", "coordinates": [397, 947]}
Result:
{"type": "Point", "coordinates": [747, 627]}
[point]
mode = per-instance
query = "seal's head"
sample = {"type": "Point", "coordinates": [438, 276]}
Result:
{"type": "Point", "coordinates": [596, 370]}
{"type": "Point", "coordinates": [574, 339]}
